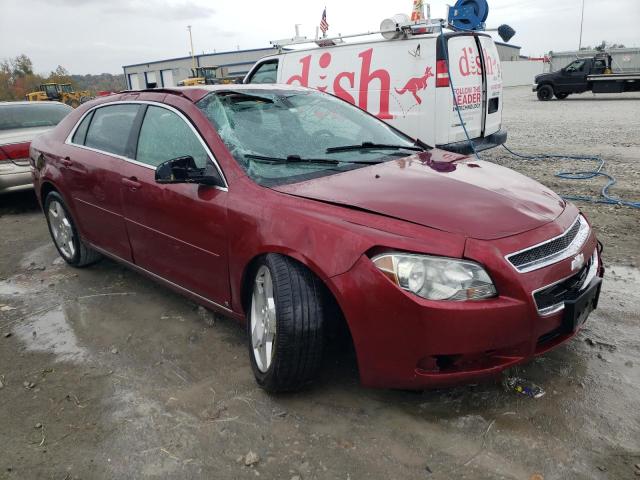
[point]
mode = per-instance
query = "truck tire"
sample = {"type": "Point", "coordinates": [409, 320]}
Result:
{"type": "Point", "coordinates": [545, 93]}
{"type": "Point", "coordinates": [285, 324]}
{"type": "Point", "coordinates": [561, 96]}
{"type": "Point", "coordinates": [65, 234]}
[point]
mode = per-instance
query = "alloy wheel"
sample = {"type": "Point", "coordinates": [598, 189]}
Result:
{"type": "Point", "coordinates": [263, 319]}
{"type": "Point", "coordinates": [61, 229]}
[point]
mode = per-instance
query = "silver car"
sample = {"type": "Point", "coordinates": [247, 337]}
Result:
{"type": "Point", "coordinates": [20, 123]}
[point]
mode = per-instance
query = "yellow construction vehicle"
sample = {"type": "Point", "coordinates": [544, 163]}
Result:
{"type": "Point", "coordinates": [200, 76]}
{"type": "Point", "coordinates": [61, 92]}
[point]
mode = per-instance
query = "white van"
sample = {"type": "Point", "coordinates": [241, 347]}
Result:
{"type": "Point", "coordinates": [405, 83]}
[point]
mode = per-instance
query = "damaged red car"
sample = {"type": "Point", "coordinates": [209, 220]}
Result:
{"type": "Point", "coordinates": [292, 210]}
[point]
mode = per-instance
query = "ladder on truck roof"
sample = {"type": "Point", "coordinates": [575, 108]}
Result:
{"type": "Point", "coordinates": [398, 30]}
{"type": "Point", "coordinates": [464, 16]}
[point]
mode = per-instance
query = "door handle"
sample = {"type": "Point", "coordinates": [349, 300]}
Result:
{"type": "Point", "coordinates": [132, 183]}
{"type": "Point", "coordinates": [66, 161]}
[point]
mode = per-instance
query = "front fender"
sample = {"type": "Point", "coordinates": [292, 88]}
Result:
{"type": "Point", "coordinates": [328, 239]}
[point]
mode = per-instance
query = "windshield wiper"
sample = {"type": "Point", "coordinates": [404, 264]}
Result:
{"type": "Point", "coordinates": [298, 159]}
{"type": "Point", "coordinates": [373, 146]}
{"type": "Point", "coordinates": [292, 159]}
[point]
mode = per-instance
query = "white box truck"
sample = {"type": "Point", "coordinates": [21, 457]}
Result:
{"type": "Point", "coordinates": [405, 82]}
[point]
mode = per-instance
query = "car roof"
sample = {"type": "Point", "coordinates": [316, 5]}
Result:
{"type": "Point", "coordinates": [197, 92]}
{"type": "Point", "coordinates": [26, 102]}
{"type": "Point", "coordinates": [234, 86]}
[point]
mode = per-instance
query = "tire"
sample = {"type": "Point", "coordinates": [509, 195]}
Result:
{"type": "Point", "coordinates": [545, 93]}
{"type": "Point", "coordinates": [294, 324]}
{"type": "Point", "coordinates": [65, 235]}
{"type": "Point", "coordinates": [561, 96]}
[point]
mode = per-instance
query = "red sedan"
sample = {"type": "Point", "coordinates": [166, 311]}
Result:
{"type": "Point", "coordinates": [289, 209]}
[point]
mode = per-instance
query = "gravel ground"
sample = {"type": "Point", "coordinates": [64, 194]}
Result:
{"type": "Point", "coordinates": [605, 125]}
{"type": "Point", "coordinates": [105, 374]}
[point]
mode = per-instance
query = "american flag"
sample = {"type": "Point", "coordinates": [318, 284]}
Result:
{"type": "Point", "coordinates": [324, 26]}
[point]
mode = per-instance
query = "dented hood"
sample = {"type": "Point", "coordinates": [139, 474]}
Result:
{"type": "Point", "coordinates": [441, 190]}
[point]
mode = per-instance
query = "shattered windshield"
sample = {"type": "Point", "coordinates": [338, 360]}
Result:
{"type": "Point", "coordinates": [286, 136]}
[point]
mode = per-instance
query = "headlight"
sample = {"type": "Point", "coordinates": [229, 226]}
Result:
{"type": "Point", "coordinates": [436, 278]}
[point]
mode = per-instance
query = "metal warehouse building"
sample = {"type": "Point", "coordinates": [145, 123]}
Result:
{"type": "Point", "coordinates": [508, 52]}
{"type": "Point", "coordinates": [167, 73]}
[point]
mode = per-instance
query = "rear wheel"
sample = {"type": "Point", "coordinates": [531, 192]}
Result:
{"type": "Point", "coordinates": [285, 324]}
{"type": "Point", "coordinates": [65, 235]}
{"type": "Point", "coordinates": [561, 96]}
{"type": "Point", "coordinates": [545, 93]}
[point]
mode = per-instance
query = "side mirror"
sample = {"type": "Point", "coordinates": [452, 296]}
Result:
{"type": "Point", "coordinates": [185, 170]}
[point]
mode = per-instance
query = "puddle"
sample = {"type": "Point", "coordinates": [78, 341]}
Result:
{"type": "Point", "coordinates": [51, 332]}
{"type": "Point", "coordinates": [10, 288]}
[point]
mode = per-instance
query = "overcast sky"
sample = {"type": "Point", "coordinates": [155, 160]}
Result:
{"type": "Point", "coordinates": [94, 36]}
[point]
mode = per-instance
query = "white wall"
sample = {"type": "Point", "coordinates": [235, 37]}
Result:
{"type": "Point", "coordinates": [520, 73]}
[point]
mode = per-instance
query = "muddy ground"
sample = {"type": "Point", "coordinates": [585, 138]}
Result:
{"type": "Point", "coordinates": [105, 374]}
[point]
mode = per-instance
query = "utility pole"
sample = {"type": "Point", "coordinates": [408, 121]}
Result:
{"type": "Point", "coordinates": [193, 57]}
{"type": "Point", "coordinates": [581, 21]}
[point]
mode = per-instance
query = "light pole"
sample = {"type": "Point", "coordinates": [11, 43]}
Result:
{"type": "Point", "coordinates": [581, 21]}
{"type": "Point", "coordinates": [193, 57]}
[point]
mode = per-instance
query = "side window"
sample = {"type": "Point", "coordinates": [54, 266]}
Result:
{"type": "Point", "coordinates": [164, 136]}
{"type": "Point", "coordinates": [266, 73]}
{"type": "Point", "coordinates": [576, 66]}
{"type": "Point", "coordinates": [81, 132]}
{"type": "Point", "coordinates": [110, 127]}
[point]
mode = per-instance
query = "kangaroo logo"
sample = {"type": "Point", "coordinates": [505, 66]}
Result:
{"type": "Point", "coordinates": [416, 84]}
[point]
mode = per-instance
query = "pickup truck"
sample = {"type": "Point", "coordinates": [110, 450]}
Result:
{"type": "Point", "coordinates": [582, 75]}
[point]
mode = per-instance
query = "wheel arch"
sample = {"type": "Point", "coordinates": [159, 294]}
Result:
{"type": "Point", "coordinates": [544, 84]}
{"type": "Point", "coordinates": [251, 265]}
{"type": "Point", "coordinates": [334, 309]}
{"type": "Point", "coordinates": [46, 188]}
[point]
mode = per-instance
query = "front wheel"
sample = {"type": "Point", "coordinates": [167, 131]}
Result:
{"type": "Point", "coordinates": [285, 324]}
{"type": "Point", "coordinates": [545, 93]}
{"type": "Point", "coordinates": [561, 96]}
{"type": "Point", "coordinates": [65, 235]}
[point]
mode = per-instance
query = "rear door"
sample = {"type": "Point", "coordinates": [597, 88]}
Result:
{"type": "Point", "coordinates": [465, 69]}
{"type": "Point", "coordinates": [91, 164]}
{"type": "Point", "coordinates": [493, 90]}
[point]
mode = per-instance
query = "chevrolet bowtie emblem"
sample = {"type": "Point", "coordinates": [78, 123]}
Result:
{"type": "Point", "coordinates": [577, 262]}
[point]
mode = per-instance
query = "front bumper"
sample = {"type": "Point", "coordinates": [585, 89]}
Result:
{"type": "Point", "coordinates": [534, 87]}
{"type": "Point", "coordinates": [480, 144]}
{"type": "Point", "coordinates": [403, 341]}
{"type": "Point", "coordinates": [14, 177]}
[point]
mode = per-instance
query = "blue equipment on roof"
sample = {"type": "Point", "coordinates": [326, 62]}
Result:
{"type": "Point", "coordinates": [468, 15]}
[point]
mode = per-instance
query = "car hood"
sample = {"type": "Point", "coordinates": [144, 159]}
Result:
{"type": "Point", "coordinates": [441, 190]}
{"type": "Point", "coordinates": [19, 135]}
{"type": "Point", "coordinates": [542, 76]}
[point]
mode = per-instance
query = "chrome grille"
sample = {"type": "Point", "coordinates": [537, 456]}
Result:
{"type": "Point", "coordinates": [552, 250]}
{"type": "Point", "coordinates": [551, 298]}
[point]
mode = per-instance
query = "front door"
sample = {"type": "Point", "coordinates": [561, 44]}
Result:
{"type": "Point", "coordinates": [177, 231]}
{"type": "Point", "coordinates": [573, 78]}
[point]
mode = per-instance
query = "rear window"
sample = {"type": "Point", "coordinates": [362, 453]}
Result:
{"type": "Point", "coordinates": [110, 128]}
{"type": "Point", "coordinates": [32, 115]}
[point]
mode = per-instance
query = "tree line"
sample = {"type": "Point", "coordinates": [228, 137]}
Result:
{"type": "Point", "coordinates": [17, 78]}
